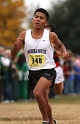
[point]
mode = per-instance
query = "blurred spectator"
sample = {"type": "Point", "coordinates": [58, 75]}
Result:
{"type": "Point", "coordinates": [66, 76]}
{"type": "Point", "coordinates": [22, 69]}
{"type": "Point", "coordinates": [77, 75]}
{"type": "Point", "coordinates": [15, 79]}
{"type": "Point", "coordinates": [2, 75]}
{"type": "Point", "coordinates": [71, 77]}
{"type": "Point", "coordinates": [6, 62]}
{"type": "Point", "coordinates": [69, 74]}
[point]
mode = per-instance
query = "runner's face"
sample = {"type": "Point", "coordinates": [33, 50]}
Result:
{"type": "Point", "coordinates": [39, 20]}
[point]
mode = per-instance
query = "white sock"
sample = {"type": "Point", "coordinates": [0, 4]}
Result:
{"type": "Point", "coordinates": [45, 121]}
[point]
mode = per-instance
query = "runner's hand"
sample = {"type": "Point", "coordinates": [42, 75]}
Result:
{"type": "Point", "coordinates": [66, 56]}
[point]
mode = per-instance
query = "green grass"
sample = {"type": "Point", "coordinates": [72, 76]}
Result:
{"type": "Point", "coordinates": [66, 99]}
{"type": "Point", "coordinates": [62, 99]}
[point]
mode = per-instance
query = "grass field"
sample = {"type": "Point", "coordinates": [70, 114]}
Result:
{"type": "Point", "coordinates": [66, 110]}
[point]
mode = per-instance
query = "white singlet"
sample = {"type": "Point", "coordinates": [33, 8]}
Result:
{"type": "Point", "coordinates": [38, 52]}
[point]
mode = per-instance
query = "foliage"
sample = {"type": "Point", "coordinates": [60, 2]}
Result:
{"type": "Point", "coordinates": [12, 13]}
{"type": "Point", "coordinates": [66, 17]}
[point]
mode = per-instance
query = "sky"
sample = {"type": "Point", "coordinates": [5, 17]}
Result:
{"type": "Point", "coordinates": [42, 3]}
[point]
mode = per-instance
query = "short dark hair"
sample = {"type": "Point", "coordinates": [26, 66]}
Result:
{"type": "Point", "coordinates": [43, 11]}
{"type": "Point", "coordinates": [52, 27]}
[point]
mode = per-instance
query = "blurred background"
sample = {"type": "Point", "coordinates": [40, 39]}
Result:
{"type": "Point", "coordinates": [15, 16]}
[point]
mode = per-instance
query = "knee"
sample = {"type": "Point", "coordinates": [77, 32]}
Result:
{"type": "Point", "coordinates": [59, 91]}
{"type": "Point", "coordinates": [37, 94]}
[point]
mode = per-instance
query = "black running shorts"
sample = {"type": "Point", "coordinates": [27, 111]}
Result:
{"type": "Point", "coordinates": [34, 76]}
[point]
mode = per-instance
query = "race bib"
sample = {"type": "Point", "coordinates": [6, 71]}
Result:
{"type": "Point", "coordinates": [36, 60]}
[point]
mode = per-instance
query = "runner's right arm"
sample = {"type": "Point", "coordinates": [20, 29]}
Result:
{"type": "Point", "coordinates": [18, 44]}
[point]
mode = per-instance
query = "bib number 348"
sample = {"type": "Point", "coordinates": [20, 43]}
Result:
{"type": "Point", "coordinates": [36, 60]}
